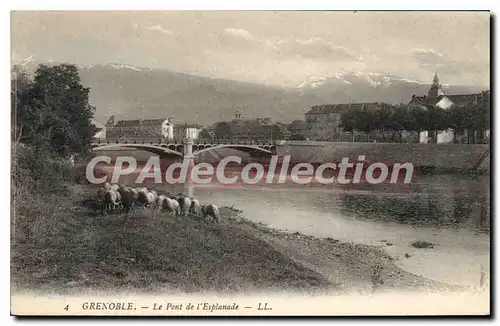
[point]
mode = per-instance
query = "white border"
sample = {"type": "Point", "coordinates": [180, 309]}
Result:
{"type": "Point", "coordinates": [179, 5]}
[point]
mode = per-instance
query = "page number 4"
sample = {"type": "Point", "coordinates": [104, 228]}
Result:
{"type": "Point", "coordinates": [67, 307]}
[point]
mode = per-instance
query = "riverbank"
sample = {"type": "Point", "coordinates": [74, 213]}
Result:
{"type": "Point", "coordinates": [77, 249]}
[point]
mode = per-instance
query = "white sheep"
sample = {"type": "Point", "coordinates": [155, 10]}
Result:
{"type": "Point", "coordinates": [159, 201]}
{"type": "Point", "coordinates": [212, 211]}
{"type": "Point", "coordinates": [185, 204]}
{"type": "Point", "coordinates": [195, 208]}
{"type": "Point", "coordinates": [110, 200]}
{"type": "Point", "coordinates": [171, 205]}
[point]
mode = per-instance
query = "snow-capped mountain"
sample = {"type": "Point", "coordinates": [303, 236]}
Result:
{"type": "Point", "coordinates": [372, 79]}
{"type": "Point", "coordinates": [131, 92]}
{"type": "Point", "coordinates": [121, 66]}
{"type": "Point", "coordinates": [370, 87]}
{"type": "Point", "coordinates": [30, 64]}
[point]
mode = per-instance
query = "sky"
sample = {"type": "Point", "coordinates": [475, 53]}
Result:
{"type": "Point", "coordinates": [283, 48]}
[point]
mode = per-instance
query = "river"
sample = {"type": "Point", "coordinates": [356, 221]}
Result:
{"type": "Point", "coordinates": [450, 211]}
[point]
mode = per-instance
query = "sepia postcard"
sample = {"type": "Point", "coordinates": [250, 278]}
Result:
{"type": "Point", "coordinates": [250, 163]}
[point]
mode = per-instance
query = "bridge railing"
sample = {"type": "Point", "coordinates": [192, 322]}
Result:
{"type": "Point", "coordinates": [222, 141]}
{"type": "Point", "coordinates": [162, 141]}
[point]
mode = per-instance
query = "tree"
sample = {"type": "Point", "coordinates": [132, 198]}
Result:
{"type": "Point", "coordinates": [297, 126]}
{"type": "Point", "coordinates": [438, 119]}
{"type": "Point", "coordinates": [402, 120]}
{"type": "Point", "coordinates": [206, 134]}
{"type": "Point", "coordinates": [458, 119]}
{"type": "Point", "coordinates": [364, 121]}
{"type": "Point", "coordinates": [298, 129]}
{"type": "Point", "coordinates": [222, 130]}
{"type": "Point", "coordinates": [473, 118]}
{"type": "Point", "coordinates": [19, 95]}
{"type": "Point", "coordinates": [417, 120]}
{"type": "Point", "coordinates": [348, 120]}
{"type": "Point", "coordinates": [480, 115]}
{"type": "Point", "coordinates": [54, 111]}
{"type": "Point", "coordinates": [383, 120]}
{"type": "Point", "coordinates": [358, 120]}
{"type": "Point", "coordinates": [279, 131]}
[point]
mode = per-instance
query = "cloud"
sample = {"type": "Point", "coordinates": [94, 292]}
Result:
{"type": "Point", "coordinates": [433, 60]}
{"type": "Point", "coordinates": [159, 29]}
{"type": "Point", "coordinates": [241, 39]}
{"type": "Point", "coordinates": [427, 57]}
{"type": "Point", "coordinates": [315, 48]}
{"type": "Point", "coordinates": [240, 33]}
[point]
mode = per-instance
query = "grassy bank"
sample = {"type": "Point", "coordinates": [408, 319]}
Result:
{"type": "Point", "coordinates": [76, 248]}
{"type": "Point", "coordinates": [146, 252]}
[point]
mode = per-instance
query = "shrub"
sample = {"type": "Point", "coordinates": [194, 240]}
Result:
{"type": "Point", "coordinates": [39, 181]}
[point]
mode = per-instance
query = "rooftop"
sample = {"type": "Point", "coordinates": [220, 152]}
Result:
{"type": "Point", "coordinates": [187, 125]}
{"type": "Point", "coordinates": [139, 122]}
{"type": "Point", "coordinates": [457, 99]}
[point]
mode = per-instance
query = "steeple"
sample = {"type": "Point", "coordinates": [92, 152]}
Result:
{"type": "Point", "coordinates": [435, 89]}
{"type": "Point", "coordinates": [435, 81]}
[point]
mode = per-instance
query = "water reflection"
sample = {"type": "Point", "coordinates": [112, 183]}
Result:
{"type": "Point", "coordinates": [446, 201]}
{"type": "Point", "coordinates": [449, 205]}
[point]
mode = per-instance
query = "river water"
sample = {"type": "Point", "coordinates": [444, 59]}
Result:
{"type": "Point", "coordinates": [450, 211]}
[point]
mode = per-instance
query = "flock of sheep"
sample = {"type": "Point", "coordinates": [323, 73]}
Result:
{"type": "Point", "coordinates": [114, 196]}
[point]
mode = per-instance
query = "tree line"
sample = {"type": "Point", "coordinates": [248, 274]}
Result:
{"type": "Point", "coordinates": [390, 121]}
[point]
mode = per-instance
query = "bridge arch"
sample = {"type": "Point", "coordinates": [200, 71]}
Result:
{"type": "Point", "coordinates": [156, 149]}
{"type": "Point", "coordinates": [250, 149]}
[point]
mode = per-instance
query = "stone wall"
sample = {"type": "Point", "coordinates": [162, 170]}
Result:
{"type": "Point", "coordinates": [459, 157]}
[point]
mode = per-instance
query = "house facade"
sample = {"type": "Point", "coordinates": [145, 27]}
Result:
{"type": "Point", "coordinates": [324, 122]}
{"type": "Point", "coordinates": [437, 98]}
{"type": "Point", "coordinates": [148, 130]}
{"type": "Point", "coordinates": [186, 131]}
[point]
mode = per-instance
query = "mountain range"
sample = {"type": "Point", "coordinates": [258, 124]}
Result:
{"type": "Point", "coordinates": [131, 92]}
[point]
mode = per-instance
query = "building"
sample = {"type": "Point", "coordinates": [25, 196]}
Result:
{"type": "Point", "coordinates": [327, 116]}
{"type": "Point", "coordinates": [187, 131]}
{"type": "Point", "coordinates": [150, 130]}
{"type": "Point", "coordinates": [250, 129]}
{"type": "Point", "coordinates": [101, 134]}
{"type": "Point", "coordinates": [324, 122]}
{"type": "Point", "coordinates": [437, 98]}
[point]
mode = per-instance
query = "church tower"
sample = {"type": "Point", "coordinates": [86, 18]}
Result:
{"type": "Point", "coordinates": [435, 89]}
